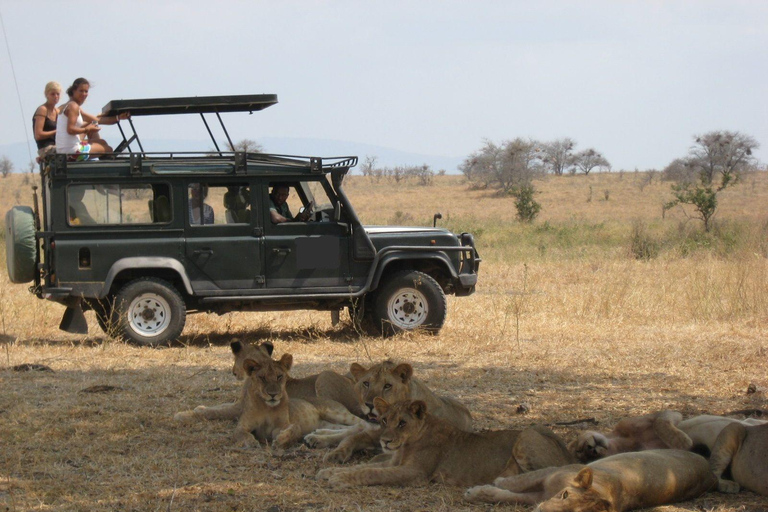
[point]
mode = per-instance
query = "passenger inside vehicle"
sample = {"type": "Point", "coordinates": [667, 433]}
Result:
{"type": "Point", "coordinates": [200, 212]}
{"type": "Point", "coordinates": [78, 213]}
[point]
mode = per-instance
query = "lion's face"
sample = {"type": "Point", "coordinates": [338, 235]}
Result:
{"type": "Point", "coordinates": [268, 378]}
{"type": "Point", "coordinates": [384, 380]}
{"type": "Point", "coordinates": [579, 496]}
{"type": "Point", "coordinates": [400, 422]}
{"type": "Point", "coordinates": [243, 351]}
{"type": "Point", "coordinates": [589, 446]}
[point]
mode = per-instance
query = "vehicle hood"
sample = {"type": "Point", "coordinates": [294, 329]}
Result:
{"type": "Point", "coordinates": [385, 230]}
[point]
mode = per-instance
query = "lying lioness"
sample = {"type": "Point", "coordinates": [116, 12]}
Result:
{"type": "Point", "coordinates": [270, 415]}
{"type": "Point", "coordinates": [425, 448]}
{"type": "Point", "coordinates": [621, 482]}
{"type": "Point", "coordinates": [327, 384]}
{"type": "Point", "coordinates": [392, 382]}
{"type": "Point", "coordinates": [745, 448]}
{"type": "Point", "coordinates": [664, 429]}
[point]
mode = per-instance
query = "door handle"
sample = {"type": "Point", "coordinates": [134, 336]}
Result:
{"type": "Point", "coordinates": [281, 250]}
{"type": "Point", "coordinates": [198, 252]}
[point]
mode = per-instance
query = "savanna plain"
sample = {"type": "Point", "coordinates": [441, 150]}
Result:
{"type": "Point", "coordinates": [604, 307]}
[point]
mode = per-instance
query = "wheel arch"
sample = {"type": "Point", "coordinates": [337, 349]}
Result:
{"type": "Point", "coordinates": [128, 269]}
{"type": "Point", "coordinates": [435, 264]}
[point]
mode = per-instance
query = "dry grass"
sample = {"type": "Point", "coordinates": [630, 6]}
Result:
{"type": "Point", "coordinates": [576, 330]}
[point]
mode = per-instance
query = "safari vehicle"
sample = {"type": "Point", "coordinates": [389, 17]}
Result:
{"type": "Point", "coordinates": [143, 238]}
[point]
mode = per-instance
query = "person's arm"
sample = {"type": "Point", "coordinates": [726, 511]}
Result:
{"type": "Point", "coordinates": [112, 119]}
{"type": "Point", "coordinates": [41, 134]}
{"type": "Point", "coordinates": [276, 217]}
{"type": "Point", "coordinates": [72, 111]}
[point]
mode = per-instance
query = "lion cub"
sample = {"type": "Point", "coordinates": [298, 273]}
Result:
{"type": "Point", "coordinates": [269, 414]}
{"type": "Point", "coordinates": [425, 448]}
{"type": "Point", "coordinates": [626, 481]}
{"type": "Point", "coordinates": [745, 449]}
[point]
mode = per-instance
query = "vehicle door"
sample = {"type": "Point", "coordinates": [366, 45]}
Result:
{"type": "Point", "coordinates": [311, 254]}
{"type": "Point", "coordinates": [223, 238]}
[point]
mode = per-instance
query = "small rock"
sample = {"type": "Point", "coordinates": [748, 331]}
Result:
{"type": "Point", "coordinates": [523, 408]}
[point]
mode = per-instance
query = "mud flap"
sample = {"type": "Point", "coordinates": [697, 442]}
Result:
{"type": "Point", "coordinates": [74, 320]}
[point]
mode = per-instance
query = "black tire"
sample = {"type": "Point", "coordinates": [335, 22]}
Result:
{"type": "Point", "coordinates": [102, 309]}
{"type": "Point", "coordinates": [20, 247]}
{"type": "Point", "coordinates": [148, 311]}
{"type": "Point", "coordinates": [407, 301]}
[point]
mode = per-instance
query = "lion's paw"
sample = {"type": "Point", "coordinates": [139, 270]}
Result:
{"type": "Point", "coordinates": [185, 416]}
{"type": "Point", "coordinates": [315, 441]}
{"type": "Point", "coordinates": [337, 481]}
{"type": "Point", "coordinates": [727, 486]}
{"type": "Point", "coordinates": [336, 456]}
{"type": "Point", "coordinates": [482, 493]}
{"type": "Point", "coordinates": [325, 474]}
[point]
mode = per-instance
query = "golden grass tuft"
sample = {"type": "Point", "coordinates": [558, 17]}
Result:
{"type": "Point", "coordinates": [564, 319]}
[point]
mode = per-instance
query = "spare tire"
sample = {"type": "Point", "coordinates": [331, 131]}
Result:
{"type": "Point", "coordinates": [20, 244]}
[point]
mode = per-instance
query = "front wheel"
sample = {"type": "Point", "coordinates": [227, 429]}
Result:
{"type": "Point", "coordinates": [149, 311]}
{"type": "Point", "coordinates": [407, 301]}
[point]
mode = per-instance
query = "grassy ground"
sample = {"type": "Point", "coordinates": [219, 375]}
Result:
{"type": "Point", "coordinates": [565, 319]}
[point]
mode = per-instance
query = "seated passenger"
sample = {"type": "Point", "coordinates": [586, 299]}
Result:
{"type": "Point", "coordinates": [44, 121]}
{"type": "Point", "coordinates": [78, 213]}
{"type": "Point", "coordinates": [77, 132]}
{"type": "Point", "coordinates": [200, 212]}
{"type": "Point", "coordinates": [279, 211]}
{"type": "Point", "coordinates": [237, 201]}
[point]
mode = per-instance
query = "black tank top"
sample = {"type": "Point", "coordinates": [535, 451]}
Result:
{"type": "Point", "coordinates": [48, 125]}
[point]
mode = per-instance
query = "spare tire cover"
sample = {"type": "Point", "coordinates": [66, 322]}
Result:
{"type": "Point", "coordinates": [20, 244]}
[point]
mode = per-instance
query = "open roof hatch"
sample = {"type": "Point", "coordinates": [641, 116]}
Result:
{"type": "Point", "coordinates": [192, 105]}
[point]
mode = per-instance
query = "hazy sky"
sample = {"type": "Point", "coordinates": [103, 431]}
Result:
{"type": "Point", "coordinates": [636, 80]}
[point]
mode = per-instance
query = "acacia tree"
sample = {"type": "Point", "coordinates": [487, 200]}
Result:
{"type": "Point", "coordinates": [511, 167]}
{"type": "Point", "coordinates": [715, 161]}
{"type": "Point", "coordinates": [589, 159]}
{"type": "Point", "coordinates": [6, 166]}
{"type": "Point", "coordinates": [248, 146]}
{"type": "Point", "coordinates": [558, 155]}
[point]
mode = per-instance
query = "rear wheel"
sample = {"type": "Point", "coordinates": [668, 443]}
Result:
{"type": "Point", "coordinates": [148, 311]}
{"type": "Point", "coordinates": [408, 301]}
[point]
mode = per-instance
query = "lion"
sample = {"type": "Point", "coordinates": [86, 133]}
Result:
{"type": "Point", "coordinates": [663, 429]}
{"type": "Point", "coordinates": [744, 449]}
{"type": "Point", "coordinates": [626, 481]}
{"type": "Point", "coordinates": [425, 448]}
{"type": "Point", "coordinates": [392, 382]}
{"type": "Point", "coordinates": [269, 414]}
{"type": "Point", "coordinates": [327, 384]}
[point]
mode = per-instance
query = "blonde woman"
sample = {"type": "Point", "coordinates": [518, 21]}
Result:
{"type": "Point", "coordinates": [77, 132]}
{"type": "Point", "coordinates": [44, 121]}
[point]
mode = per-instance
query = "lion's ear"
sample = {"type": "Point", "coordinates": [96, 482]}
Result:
{"type": "Point", "coordinates": [267, 348]}
{"type": "Point", "coordinates": [418, 409]}
{"type": "Point", "coordinates": [584, 478]}
{"type": "Point", "coordinates": [404, 372]}
{"type": "Point", "coordinates": [380, 405]}
{"type": "Point", "coordinates": [250, 366]}
{"type": "Point", "coordinates": [236, 347]}
{"type": "Point", "coordinates": [287, 361]}
{"type": "Point", "coordinates": [357, 371]}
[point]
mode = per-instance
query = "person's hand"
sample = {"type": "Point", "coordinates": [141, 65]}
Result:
{"type": "Point", "coordinates": [122, 116]}
{"type": "Point", "coordinates": [92, 128]}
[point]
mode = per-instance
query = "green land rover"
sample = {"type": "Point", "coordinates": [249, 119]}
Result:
{"type": "Point", "coordinates": [143, 238]}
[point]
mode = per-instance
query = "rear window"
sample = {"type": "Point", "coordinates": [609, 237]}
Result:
{"type": "Point", "coordinates": [135, 203]}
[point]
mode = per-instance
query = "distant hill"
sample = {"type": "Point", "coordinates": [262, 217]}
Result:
{"type": "Point", "coordinates": [386, 157]}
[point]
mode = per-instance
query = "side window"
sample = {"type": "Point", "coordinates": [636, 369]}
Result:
{"type": "Point", "coordinates": [135, 203]}
{"type": "Point", "coordinates": [298, 201]}
{"type": "Point", "coordinates": [219, 204]}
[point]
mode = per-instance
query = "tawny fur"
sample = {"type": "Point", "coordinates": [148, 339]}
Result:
{"type": "Point", "coordinates": [270, 415]}
{"type": "Point", "coordinates": [745, 449]}
{"type": "Point", "coordinates": [425, 448]}
{"type": "Point", "coordinates": [618, 483]}
{"type": "Point", "coordinates": [327, 384]}
{"type": "Point", "coordinates": [391, 382]}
